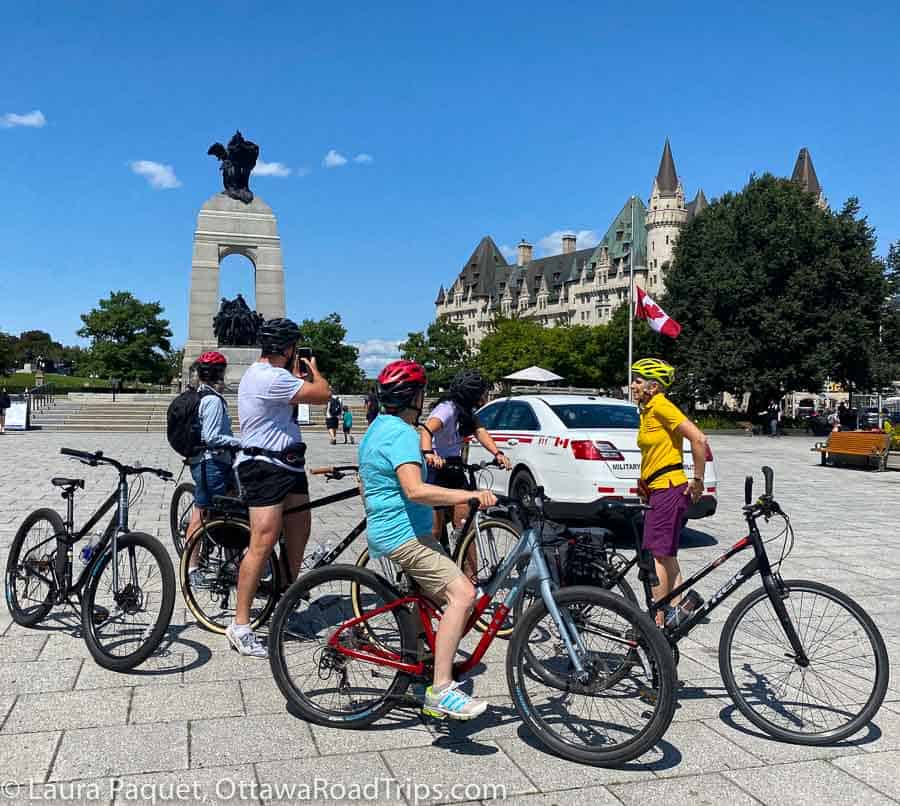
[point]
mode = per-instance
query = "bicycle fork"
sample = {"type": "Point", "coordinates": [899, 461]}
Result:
{"type": "Point", "coordinates": [776, 593]}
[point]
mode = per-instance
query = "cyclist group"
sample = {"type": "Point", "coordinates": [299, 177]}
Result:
{"type": "Point", "coordinates": [404, 474]}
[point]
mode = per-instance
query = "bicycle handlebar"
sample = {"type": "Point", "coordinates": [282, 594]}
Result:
{"type": "Point", "coordinates": [335, 472]}
{"type": "Point", "coordinates": [97, 458]}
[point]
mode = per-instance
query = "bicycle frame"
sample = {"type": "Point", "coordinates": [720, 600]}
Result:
{"type": "Point", "coordinates": [537, 574]}
{"type": "Point", "coordinates": [759, 564]}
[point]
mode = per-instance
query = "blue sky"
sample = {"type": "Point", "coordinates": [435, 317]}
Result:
{"type": "Point", "coordinates": [509, 119]}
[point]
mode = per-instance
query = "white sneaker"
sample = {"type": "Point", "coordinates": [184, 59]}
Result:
{"type": "Point", "coordinates": [244, 641]}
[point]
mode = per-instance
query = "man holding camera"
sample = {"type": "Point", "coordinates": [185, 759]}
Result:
{"type": "Point", "coordinates": [270, 466]}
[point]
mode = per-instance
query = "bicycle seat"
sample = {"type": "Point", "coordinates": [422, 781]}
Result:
{"type": "Point", "coordinates": [59, 481]}
{"type": "Point", "coordinates": [227, 503]}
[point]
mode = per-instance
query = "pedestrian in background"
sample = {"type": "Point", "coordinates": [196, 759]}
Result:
{"type": "Point", "coordinates": [348, 424]}
{"type": "Point", "coordinates": [5, 403]}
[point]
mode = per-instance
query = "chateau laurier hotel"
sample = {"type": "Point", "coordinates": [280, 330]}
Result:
{"type": "Point", "coordinates": [584, 286]}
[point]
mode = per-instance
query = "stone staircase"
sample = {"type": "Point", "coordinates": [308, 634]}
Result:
{"type": "Point", "coordinates": [146, 413]}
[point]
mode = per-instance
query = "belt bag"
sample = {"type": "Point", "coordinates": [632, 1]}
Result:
{"type": "Point", "coordinates": [661, 472]}
{"type": "Point", "coordinates": [293, 455]}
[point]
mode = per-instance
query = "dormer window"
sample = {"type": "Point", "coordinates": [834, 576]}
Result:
{"type": "Point", "coordinates": [556, 276]}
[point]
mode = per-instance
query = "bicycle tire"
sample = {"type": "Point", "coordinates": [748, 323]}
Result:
{"type": "Point", "coordinates": [39, 610]}
{"type": "Point", "coordinates": [91, 625]}
{"type": "Point", "coordinates": [783, 655]}
{"type": "Point", "coordinates": [303, 594]}
{"type": "Point", "coordinates": [659, 693]}
{"type": "Point", "coordinates": [222, 565]}
{"type": "Point", "coordinates": [461, 556]}
{"type": "Point", "coordinates": [178, 516]}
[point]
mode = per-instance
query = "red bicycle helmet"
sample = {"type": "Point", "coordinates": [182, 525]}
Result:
{"type": "Point", "coordinates": [399, 383]}
{"type": "Point", "coordinates": [211, 366]}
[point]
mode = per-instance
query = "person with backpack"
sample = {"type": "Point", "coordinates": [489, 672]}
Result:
{"type": "Point", "coordinates": [212, 443]}
{"type": "Point", "coordinates": [348, 425]}
{"type": "Point", "coordinates": [270, 465]}
{"type": "Point", "coordinates": [446, 429]}
{"type": "Point", "coordinates": [333, 413]}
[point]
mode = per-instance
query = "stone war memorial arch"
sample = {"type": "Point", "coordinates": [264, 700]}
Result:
{"type": "Point", "coordinates": [232, 222]}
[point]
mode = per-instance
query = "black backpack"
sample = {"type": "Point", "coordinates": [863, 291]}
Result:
{"type": "Point", "coordinates": [335, 407]}
{"type": "Point", "coordinates": [182, 423]}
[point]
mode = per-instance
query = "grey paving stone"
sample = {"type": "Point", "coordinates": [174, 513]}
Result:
{"type": "Point", "coordinates": [888, 722]}
{"type": "Point", "coordinates": [212, 785]}
{"type": "Point", "coordinates": [700, 750]}
{"type": "Point", "coordinates": [227, 666]}
{"type": "Point", "coordinates": [262, 696]}
{"type": "Point", "coordinates": [329, 780]}
{"type": "Point", "coordinates": [805, 782]}
{"type": "Point", "coordinates": [6, 704]}
{"type": "Point", "coordinates": [35, 676]}
{"type": "Point", "coordinates": [121, 750]}
{"type": "Point", "coordinates": [26, 756]}
{"type": "Point", "coordinates": [68, 710]}
{"type": "Point", "coordinates": [881, 771]}
{"type": "Point", "coordinates": [61, 645]}
{"type": "Point", "coordinates": [483, 763]}
{"type": "Point", "coordinates": [21, 648]}
{"type": "Point", "coordinates": [165, 671]}
{"type": "Point", "coordinates": [247, 739]}
{"type": "Point", "coordinates": [696, 790]}
{"type": "Point", "coordinates": [586, 796]}
{"type": "Point", "coordinates": [399, 729]}
{"type": "Point", "coordinates": [549, 772]}
{"type": "Point", "coordinates": [185, 701]}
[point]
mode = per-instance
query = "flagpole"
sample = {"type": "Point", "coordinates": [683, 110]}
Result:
{"type": "Point", "coordinates": [630, 304]}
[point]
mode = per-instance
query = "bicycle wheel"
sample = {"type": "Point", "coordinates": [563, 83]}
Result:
{"type": "Point", "coordinates": [123, 627]}
{"type": "Point", "coordinates": [30, 581]}
{"type": "Point", "coordinates": [180, 511]}
{"type": "Point", "coordinates": [610, 717]}
{"type": "Point", "coordinates": [384, 567]}
{"type": "Point", "coordinates": [212, 557]}
{"type": "Point", "coordinates": [325, 686]}
{"type": "Point", "coordinates": [840, 690]}
{"type": "Point", "coordinates": [479, 554]}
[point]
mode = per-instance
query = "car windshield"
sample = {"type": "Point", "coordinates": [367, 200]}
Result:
{"type": "Point", "coordinates": [596, 415]}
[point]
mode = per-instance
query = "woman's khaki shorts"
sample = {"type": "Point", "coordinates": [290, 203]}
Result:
{"type": "Point", "coordinates": [426, 562]}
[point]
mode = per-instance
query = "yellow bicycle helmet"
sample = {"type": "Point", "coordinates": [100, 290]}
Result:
{"type": "Point", "coordinates": [654, 370]}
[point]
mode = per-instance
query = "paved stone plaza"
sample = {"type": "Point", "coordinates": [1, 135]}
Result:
{"type": "Point", "coordinates": [199, 715]}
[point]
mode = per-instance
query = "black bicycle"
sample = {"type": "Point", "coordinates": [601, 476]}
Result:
{"type": "Point", "coordinates": [211, 558]}
{"type": "Point", "coordinates": [126, 587]}
{"type": "Point", "coordinates": [801, 661]}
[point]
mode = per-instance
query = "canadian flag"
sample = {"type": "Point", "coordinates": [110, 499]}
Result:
{"type": "Point", "coordinates": [657, 318]}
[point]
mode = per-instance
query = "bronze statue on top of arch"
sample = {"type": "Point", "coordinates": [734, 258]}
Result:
{"type": "Point", "coordinates": [238, 161]}
{"type": "Point", "coordinates": [235, 325]}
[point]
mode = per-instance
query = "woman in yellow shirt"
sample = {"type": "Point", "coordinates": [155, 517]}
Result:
{"type": "Point", "coordinates": [660, 436]}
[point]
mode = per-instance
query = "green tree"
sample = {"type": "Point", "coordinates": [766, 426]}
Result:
{"type": "Point", "coordinates": [646, 343]}
{"type": "Point", "coordinates": [7, 352]}
{"type": "Point", "coordinates": [34, 343]}
{"type": "Point", "coordinates": [442, 350]}
{"type": "Point", "coordinates": [129, 339]}
{"type": "Point", "coordinates": [175, 361]}
{"type": "Point", "coordinates": [513, 344]}
{"type": "Point", "coordinates": [336, 360]}
{"type": "Point", "coordinates": [775, 294]}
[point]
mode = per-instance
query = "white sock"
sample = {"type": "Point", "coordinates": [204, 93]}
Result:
{"type": "Point", "coordinates": [240, 629]}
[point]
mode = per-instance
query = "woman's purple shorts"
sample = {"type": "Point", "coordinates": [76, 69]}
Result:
{"type": "Point", "coordinates": [662, 524]}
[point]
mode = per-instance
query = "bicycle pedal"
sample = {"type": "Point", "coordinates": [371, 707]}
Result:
{"type": "Point", "coordinates": [648, 696]}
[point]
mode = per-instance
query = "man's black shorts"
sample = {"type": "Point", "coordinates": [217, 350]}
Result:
{"type": "Point", "coordinates": [331, 422]}
{"type": "Point", "coordinates": [265, 484]}
{"type": "Point", "coordinates": [450, 476]}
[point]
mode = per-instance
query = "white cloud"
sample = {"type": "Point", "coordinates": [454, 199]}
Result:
{"type": "Point", "coordinates": [271, 169]}
{"type": "Point", "coordinates": [375, 354]}
{"type": "Point", "coordinates": [552, 244]}
{"type": "Point", "coordinates": [509, 252]}
{"type": "Point", "coordinates": [363, 158]}
{"type": "Point", "coordinates": [160, 177]}
{"type": "Point", "coordinates": [334, 160]}
{"type": "Point", "coordinates": [34, 120]}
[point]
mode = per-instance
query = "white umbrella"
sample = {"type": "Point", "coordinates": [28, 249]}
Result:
{"type": "Point", "coordinates": [535, 375]}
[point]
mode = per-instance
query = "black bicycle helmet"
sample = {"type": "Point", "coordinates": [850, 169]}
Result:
{"type": "Point", "coordinates": [468, 387]}
{"type": "Point", "coordinates": [276, 334]}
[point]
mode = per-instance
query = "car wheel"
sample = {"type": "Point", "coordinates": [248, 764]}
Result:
{"type": "Point", "coordinates": [522, 486]}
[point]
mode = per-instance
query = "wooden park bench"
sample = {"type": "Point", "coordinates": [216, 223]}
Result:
{"type": "Point", "coordinates": [867, 447]}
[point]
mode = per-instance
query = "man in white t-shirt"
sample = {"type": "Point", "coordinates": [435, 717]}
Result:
{"type": "Point", "coordinates": [270, 466]}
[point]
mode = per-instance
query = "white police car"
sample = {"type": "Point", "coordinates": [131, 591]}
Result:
{"type": "Point", "coordinates": [577, 447]}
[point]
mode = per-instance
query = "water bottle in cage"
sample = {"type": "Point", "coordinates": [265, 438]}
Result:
{"type": "Point", "coordinates": [88, 550]}
{"type": "Point", "coordinates": [321, 550]}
